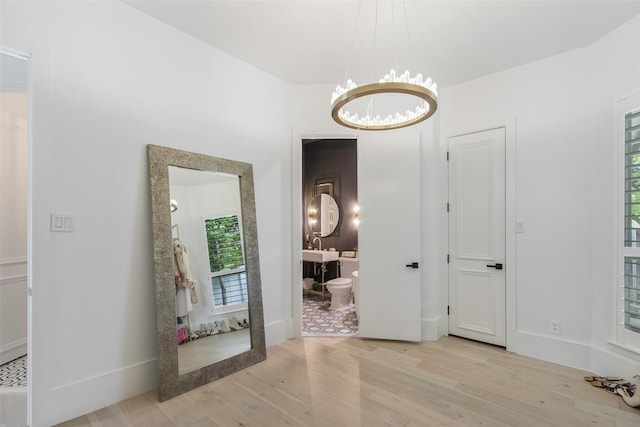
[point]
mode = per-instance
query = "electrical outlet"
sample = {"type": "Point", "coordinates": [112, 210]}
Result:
{"type": "Point", "coordinates": [555, 327]}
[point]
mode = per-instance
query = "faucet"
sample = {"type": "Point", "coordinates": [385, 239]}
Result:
{"type": "Point", "coordinates": [319, 242]}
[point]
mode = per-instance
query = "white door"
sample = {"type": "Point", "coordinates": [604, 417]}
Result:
{"type": "Point", "coordinates": [477, 236]}
{"type": "Point", "coordinates": [389, 235]}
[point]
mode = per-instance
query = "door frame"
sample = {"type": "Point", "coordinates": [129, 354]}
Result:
{"type": "Point", "coordinates": [511, 218]}
{"type": "Point", "coordinates": [296, 219]}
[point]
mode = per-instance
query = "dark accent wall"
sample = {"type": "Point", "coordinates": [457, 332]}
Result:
{"type": "Point", "coordinates": [335, 161]}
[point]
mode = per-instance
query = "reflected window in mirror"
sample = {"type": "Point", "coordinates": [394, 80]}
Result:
{"type": "Point", "coordinates": [226, 262]}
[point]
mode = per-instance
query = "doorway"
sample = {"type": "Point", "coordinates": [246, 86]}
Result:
{"type": "Point", "coordinates": [388, 290]}
{"type": "Point", "coordinates": [477, 236]}
{"type": "Point", "coordinates": [329, 228]}
{"type": "Point", "coordinates": [14, 143]}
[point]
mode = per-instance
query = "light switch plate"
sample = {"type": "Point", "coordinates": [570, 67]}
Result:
{"type": "Point", "coordinates": [63, 222]}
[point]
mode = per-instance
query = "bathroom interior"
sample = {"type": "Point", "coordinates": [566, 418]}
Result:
{"type": "Point", "coordinates": [330, 237]}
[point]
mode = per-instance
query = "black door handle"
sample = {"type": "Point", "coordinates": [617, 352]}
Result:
{"type": "Point", "coordinates": [497, 266]}
{"type": "Point", "coordinates": [412, 265]}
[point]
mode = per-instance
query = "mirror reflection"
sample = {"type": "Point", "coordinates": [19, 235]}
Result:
{"type": "Point", "coordinates": [207, 268]}
{"type": "Point", "coordinates": [323, 215]}
{"type": "Point", "coordinates": [212, 317]}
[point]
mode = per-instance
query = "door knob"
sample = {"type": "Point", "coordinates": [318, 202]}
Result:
{"type": "Point", "coordinates": [497, 266]}
{"type": "Point", "coordinates": [412, 265]}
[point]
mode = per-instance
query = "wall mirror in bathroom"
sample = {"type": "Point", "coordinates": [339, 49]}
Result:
{"type": "Point", "coordinates": [207, 271]}
{"type": "Point", "coordinates": [323, 213]}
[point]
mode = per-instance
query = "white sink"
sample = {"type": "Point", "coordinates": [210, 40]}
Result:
{"type": "Point", "coordinates": [314, 255]}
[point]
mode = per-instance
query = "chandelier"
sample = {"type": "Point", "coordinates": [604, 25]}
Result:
{"type": "Point", "coordinates": [425, 91]}
{"type": "Point", "coordinates": [424, 94]}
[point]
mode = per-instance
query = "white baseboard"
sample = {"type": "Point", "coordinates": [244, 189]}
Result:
{"type": "Point", "coordinates": [551, 349]}
{"type": "Point", "coordinates": [277, 332]}
{"type": "Point", "coordinates": [611, 362]}
{"type": "Point", "coordinates": [13, 350]}
{"type": "Point", "coordinates": [431, 329]}
{"type": "Point", "coordinates": [73, 400]}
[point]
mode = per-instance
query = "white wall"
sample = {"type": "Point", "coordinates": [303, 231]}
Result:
{"type": "Point", "coordinates": [564, 178]}
{"type": "Point", "coordinates": [107, 81]}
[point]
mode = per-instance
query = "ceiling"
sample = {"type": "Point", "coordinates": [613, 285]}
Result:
{"type": "Point", "coordinates": [320, 42]}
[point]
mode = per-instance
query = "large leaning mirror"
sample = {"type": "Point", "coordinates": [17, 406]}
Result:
{"type": "Point", "coordinates": [207, 274]}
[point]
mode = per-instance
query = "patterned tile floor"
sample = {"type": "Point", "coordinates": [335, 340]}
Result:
{"type": "Point", "coordinates": [14, 373]}
{"type": "Point", "coordinates": [318, 320]}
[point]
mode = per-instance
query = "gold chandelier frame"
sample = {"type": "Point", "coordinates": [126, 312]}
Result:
{"type": "Point", "coordinates": [384, 87]}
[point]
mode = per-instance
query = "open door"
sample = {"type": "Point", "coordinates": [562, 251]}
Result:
{"type": "Point", "coordinates": [389, 235]}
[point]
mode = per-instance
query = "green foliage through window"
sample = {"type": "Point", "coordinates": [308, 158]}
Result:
{"type": "Point", "coordinates": [224, 243]}
{"type": "Point", "coordinates": [632, 179]}
{"type": "Point", "coordinates": [632, 220]}
{"type": "Point", "coordinates": [226, 260]}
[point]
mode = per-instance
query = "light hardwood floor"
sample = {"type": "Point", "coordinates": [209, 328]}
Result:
{"type": "Point", "coordinates": [355, 382]}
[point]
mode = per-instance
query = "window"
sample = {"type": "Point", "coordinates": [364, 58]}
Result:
{"type": "Point", "coordinates": [628, 333]}
{"type": "Point", "coordinates": [226, 260]}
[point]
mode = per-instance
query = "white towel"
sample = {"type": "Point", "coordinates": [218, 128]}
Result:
{"type": "Point", "coordinates": [307, 283]}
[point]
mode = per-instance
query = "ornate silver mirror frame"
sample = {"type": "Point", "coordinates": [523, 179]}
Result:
{"type": "Point", "coordinates": [170, 382]}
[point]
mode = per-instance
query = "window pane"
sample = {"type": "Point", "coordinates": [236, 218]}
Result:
{"type": "Point", "coordinates": [632, 293]}
{"type": "Point", "coordinates": [632, 180]}
{"type": "Point", "coordinates": [224, 243]}
{"type": "Point", "coordinates": [229, 289]}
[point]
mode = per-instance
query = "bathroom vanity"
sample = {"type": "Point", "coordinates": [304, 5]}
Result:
{"type": "Point", "coordinates": [317, 256]}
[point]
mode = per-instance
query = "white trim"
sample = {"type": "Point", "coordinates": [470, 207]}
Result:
{"type": "Point", "coordinates": [570, 353]}
{"type": "Point", "coordinates": [115, 386]}
{"type": "Point", "coordinates": [13, 350]}
{"type": "Point", "coordinates": [624, 350]}
{"type": "Point", "coordinates": [278, 331]}
{"type": "Point", "coordinates": [13, 261]}
{"type": "Point", "coordinates": [613, 360]}
{"type": "Point", "coordinates": [296, 233]}
{"type": "Point", "coordinates": [12, 279]}
{"type": "Point", "coordinates": [430, 329]}
{"type": "Point", "coordinates": [13, 390]}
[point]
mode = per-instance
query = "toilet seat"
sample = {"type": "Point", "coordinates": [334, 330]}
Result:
{"type": "Point", "coordinates": [339, 281]}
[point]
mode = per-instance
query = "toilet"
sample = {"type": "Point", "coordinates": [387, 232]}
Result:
{"type": "Point", "coordinates": [340, 288]}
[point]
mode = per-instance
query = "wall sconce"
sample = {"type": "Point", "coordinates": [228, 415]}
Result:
{"type": "Point", "coordinates": [356, 215]}
{"type": "Point", "coordinates": [174, 205]}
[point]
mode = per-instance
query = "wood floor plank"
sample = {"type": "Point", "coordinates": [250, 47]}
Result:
{"type": "Point", "coordinates": [111, 416]}
{"type": "Point", "coordinates": [349, 382]}
{"type": "Point", "coordinates": [259, 411]}
{"type": "Point", "coordinates": [143, 410]}
{"type": "Point", "coordinates": [222, 413]}
{"type": "Point", "coordinates": [277, 397]}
